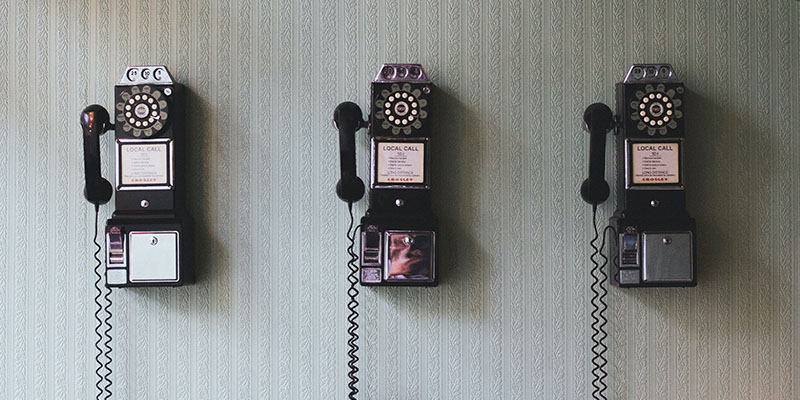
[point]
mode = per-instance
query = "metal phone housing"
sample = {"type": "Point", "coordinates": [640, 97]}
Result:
{"type": "Point", "coordinates": [656, 239]}
{"type": "Point", "coordinates": [148, 236]}
{"type": "Point", "coordinates": [399, 227]}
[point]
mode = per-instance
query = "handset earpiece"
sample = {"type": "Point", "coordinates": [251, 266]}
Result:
{"type": "Point", "coordinates": [94, 122]}
{"type": "Point", "coordinates": [597, 120]}
{"type": "Point", "coordinates": [347, 119]}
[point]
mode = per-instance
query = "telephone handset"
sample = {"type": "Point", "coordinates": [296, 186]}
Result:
{"type": "Point", "coordinates": [347, 119]}
{"type": "Point", "coordinates": [597, 120]}
{"type": "Point", "coordinates": [94, 122]}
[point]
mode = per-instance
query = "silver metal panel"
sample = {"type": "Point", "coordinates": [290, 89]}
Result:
{"type": "Point", "coordinates": [425, 257]}
{"type": "Point", "coordinates": [121, 262]}
{"type": "Point", "coordinates": [650, 73]}
{"type": "Point", "coordinates": [365, 259]}
{"type": "Point", "coordinates": [371, 275]}
{"type": "Point", "coordinates": [401, 73]}
{"type": "Point", "coordinates": [667, 257]}
{"type": "Point", "coordinates": [629, 276]}
{"type": "Point", "coordinates": [141, 74]}
{"type": "Point", "coordinates": [117, 276]}
{"type": "Point", "coordinates": [153, 256]}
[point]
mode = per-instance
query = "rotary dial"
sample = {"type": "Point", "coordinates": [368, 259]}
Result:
{"type": "Point", "coordinates": [401, 109]}
{"type": "Point", "coordinates": [143, 111]}
{"type": "Point", "coordinates": [657, 109]}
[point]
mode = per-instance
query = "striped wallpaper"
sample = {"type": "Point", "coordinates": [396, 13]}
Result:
{"type": "Point", "coordinates": [510, 320]}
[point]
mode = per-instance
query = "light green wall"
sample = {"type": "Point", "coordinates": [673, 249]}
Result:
{"type": "Point", "coordinates": [511, 317]}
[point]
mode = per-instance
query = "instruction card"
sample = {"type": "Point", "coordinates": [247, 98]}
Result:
{"type": "Point", "coordinates": [401, 162]}
{"type": "Point", "coordinates": [655, 163]}
{"type": "Point", "coordinates": [144, 164]}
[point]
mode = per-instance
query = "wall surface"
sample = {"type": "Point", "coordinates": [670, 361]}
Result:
{"type": "Point", "coordinates": [510, 320]}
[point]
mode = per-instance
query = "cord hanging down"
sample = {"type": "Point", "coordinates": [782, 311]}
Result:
{"type": "Point", "coordinates": [103, 317]}
{"type": "Point", "coordinates": [352, 292]}
{"type": "Point", "coordinates": [599, 307]}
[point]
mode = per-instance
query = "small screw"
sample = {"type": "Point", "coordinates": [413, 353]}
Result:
{"type": "Point", "coordinates": [667, 240]}
{"type": "Point", "coordinates": [426, 89]}
{"type": "Point", "coordinates": [153, 241]}
{"type": "Point", "coordinates": [144, 203]}
{"type": "Point", "coordinates": [654, 203]}
{"type": "Point", "coordinates": [399, 202]}
{"type": "Point", "coordinates": [168, 91]}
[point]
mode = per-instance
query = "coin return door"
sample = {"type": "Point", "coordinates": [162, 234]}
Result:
{"type": "Point", "coordinates": [656, 258]}
{"type": "Point", "coordinates": [667, 257]}
{"type": "Point", "coordinates": [142, 257]}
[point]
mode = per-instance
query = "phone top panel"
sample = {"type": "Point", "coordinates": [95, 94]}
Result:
{"type": "Point", "coordinates": [650, 73]}
{"type": "Point", "coordinates": [390, 73]}
{"type": "Point", "coordinates": [143, 74]}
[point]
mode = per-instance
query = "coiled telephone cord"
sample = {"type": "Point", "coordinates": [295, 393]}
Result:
{"type": "Point", "coordinates": [599, 307]}
{"type": "Point", "coordinates": [103, 302]}
{"type": "Point", "coordinates": [352, 292]}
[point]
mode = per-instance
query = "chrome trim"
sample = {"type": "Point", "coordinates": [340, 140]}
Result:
{"type": "Point", "coordinates": [124, 264]}
{"type": "Point", "coordinates": [629, 185]}
{"type": "Point", "coordinates": [141, 74]}
{"type": "Point", "coordinates": [690, 249]}
{"type": "Point", "coordinates": [656, 78]}
{"type": "Point", "coordinates": [170, 164]}
{"type": "Point", "coordinates": [380, 249]}
{"type": "Point", "coordinates": [423, 77]}
{"type": "Point", "coordinates": [373, 163]}
{"type": "Point", "coordinates": [386, 260]}
{"type": "Point", "coordinates": [177, 256]}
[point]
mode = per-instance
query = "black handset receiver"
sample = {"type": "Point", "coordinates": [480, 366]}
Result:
{"type": "Point", "coordinates": [94, 122]}
{"type": "Point", "coordinates": [597, 120]}
{"type": "Point", "coordinates": [347, 119]}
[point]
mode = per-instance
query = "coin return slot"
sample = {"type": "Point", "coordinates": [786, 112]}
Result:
{"type": "Point", "coordinates": [371, 253]}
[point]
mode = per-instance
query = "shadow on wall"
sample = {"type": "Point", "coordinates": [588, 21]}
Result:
{"type": "Point", "coordinates": [456, 144]}
{"type": "Point", "coordinates": [731, 162]}
{"type": "Point", "coordinates": [211, 258]}
{"type": "Point", "coordinates": [723, 186]}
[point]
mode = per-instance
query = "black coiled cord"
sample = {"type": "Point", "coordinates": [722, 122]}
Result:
{"type": "Point", "coordinates": [352, 292]}
{"type": "Point", "coordinates": [599, 307]}
{"type": "Point", "coordinates": [103, 302]}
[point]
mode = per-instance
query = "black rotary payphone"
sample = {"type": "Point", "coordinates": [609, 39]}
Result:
{"type": "Point", "coordinates": [399, 232]}
{"type": "Point", "coordinates": [148, 238]}
{"type": "Point", "coordinates": [654, 237]}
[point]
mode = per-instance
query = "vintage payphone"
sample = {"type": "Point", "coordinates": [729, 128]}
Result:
{"type": "Point", "coordinates": [399, 230]}
{"type": "Point", "coordinates": [399, 233]}
{"type": "Point", "coordinates": [653, 235]}
{"type": "Point", "coordinates": [656, 236]}
{"type": "Point", "coordinates": [148, 237]}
